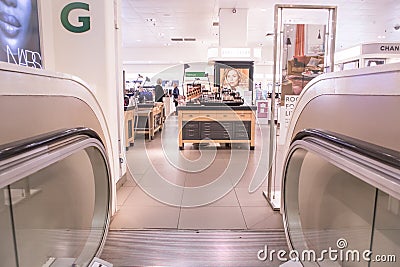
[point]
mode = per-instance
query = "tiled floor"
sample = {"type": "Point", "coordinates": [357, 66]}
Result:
{"type": "Point", "coordinates": [204, 187]}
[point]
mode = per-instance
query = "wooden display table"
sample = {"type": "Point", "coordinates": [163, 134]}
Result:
{"type": "Point", "coordinates": [150, 119]}
{"type": "Point", "coordinates": [129, 126]}
{"type": "Point", "coordinates": [221, 124]}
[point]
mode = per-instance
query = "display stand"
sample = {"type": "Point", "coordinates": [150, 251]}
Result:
{"type": "Point", "coordinates": [129, 126]}
{"type": "Point", "coordinates": [169, 105]}
{"type": "Point", "coordinates": [149, 119]}
{"type": "Point", "coordinates": [219, 124]}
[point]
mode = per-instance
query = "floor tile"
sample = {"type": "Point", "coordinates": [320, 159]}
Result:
{"type": "Point", "coordinates": [138, 167]}
{"type": "Point", "coordinates": [144, 217]}
{"type": "Point", "coordinates": [254, 174]}
{"type": "Point", "coordinates": [247, 199]}
{"type": "Point", "coordinates": [228, 200]}
{"type": "Point", "coordinates": [130, 181]}
{"type": "Point", "coordinates": [216, 170]}
{"type": "Point", "coordinates": [211, 218]}
{"type": "Point", "coordinates": [259, 218]}
{"type": "Point", "coordinates": [153, 197]}
{"type": "Point", "coordinates": [123, 193]}
{"type": "Point", "coordinates": [171, 174]}
{"type": "Point", "coordinates": [204, 195]}
{"type": "Point", "coordinates": [208, 171]}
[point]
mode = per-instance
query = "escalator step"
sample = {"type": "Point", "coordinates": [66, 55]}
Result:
{"type": "Point", "coordinates": [191, 248]}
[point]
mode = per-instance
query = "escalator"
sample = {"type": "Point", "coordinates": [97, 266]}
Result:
{"type": "Point", "coordinates": [55, 199]}
{"type": "Point", "coordinates": [341, 201]}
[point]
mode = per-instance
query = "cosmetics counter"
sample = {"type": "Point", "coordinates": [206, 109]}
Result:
{"type": "Point", "coordinates": [216, 122]}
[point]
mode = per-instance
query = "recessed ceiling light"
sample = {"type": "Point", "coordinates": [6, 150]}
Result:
{"type": "Point", "coordinates": [138, 40]}
{"type": "Point", "coordinates": [263, 9]}
{"type": "Point", "coordinates": [172, 28]}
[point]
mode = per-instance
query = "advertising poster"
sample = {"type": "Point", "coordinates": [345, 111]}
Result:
{"type": "Point", "coordinates": [236, 79]}
{"type": "Point", "coordinates": [19, 33]}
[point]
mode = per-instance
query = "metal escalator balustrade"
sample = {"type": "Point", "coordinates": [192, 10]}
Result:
{"type": "Point", "coordinates": [342, 195]}
{"type": "Point", "coordinates": [54, 204]}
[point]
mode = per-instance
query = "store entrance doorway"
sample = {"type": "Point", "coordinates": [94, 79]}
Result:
{"type": "Point", "coordinates": [304, 45]}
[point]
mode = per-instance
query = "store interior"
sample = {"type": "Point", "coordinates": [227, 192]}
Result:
{"type": "Point", "coordinates": [303, 52]}
{"type": "Point", "coordinates": [179, 133]}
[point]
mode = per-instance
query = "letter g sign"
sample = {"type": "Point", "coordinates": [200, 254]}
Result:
{"type": "Point", "coordinates": [85, 20]}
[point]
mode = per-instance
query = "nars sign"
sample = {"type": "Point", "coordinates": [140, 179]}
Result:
{"type": "Point", "coordinates": [85, 21]}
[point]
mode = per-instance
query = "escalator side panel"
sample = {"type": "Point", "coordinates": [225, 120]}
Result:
{"type": "Point", "coordinates": [46, 114]}
{"type": "Point", "coordinates": [7, 246]}
{"type": "Point", "coordinates": [370, 118]}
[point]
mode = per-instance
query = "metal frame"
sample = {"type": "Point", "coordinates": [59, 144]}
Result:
{"type": "Point", "coordinates": [332, 32]}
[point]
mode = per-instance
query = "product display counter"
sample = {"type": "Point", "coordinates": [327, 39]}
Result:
{"type": "Point", "coordinates": [169, 105]}
{"type": "Point", "coordinates": [129, 113]}
{"type": "Point", "coordinates": [221, 124]}
{"type": "Point", "coordinates": [150, 119]}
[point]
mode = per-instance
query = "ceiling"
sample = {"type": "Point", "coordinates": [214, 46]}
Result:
{"type": "Point", "coordinates": [152, 23]}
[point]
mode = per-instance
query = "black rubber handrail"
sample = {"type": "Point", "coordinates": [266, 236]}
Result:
{"type": "Point", "coordinates": [25, 145]}
{"type": "Point", "coordinates": [381, 154]}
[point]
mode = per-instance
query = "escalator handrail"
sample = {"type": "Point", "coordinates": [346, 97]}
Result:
{"type": "Point", "coordinates": [19, 147]}
{"type": "Point", "coordinates": [381, 154]}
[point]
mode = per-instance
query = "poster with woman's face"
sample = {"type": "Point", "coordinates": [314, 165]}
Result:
{"type": "Point", "coordinates": [19, 33]}
{"type": "Point", "coordinates": [235, 79]}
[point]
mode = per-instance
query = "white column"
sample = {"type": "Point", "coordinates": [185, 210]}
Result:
{"type": "Point", "coordinates": [93, 56]}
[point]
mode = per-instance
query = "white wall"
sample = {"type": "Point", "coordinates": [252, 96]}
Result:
{"type": "Point", "coordinates": [91, 56]}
